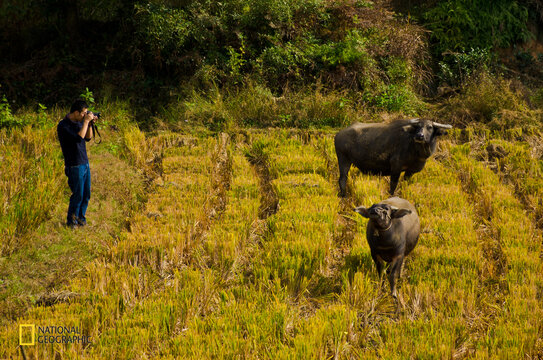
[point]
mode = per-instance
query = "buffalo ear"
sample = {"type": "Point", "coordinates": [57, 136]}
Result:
{"type": "Point", "coordinates": [362, 211]}
{"type": "Point", "coordinates": [398, 213]}
{"type": "Point", "coordinates": [408, 128]}
{"type": "Point", "coordinates": [440, 132]}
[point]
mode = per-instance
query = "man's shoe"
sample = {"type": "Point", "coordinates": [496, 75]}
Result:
{"type": "Point", "coordinates": [71, 225]}
{"type": "Point", "coordinates": [81, 222]}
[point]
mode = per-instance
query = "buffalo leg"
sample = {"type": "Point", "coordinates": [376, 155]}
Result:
{"type": "Point", "coordinates": [379, 265]}
{"type": "Point", "coordinates": [344, 167]}
{"type": "Point", "coordinates": [394, 178]}
{"type": "Point", "coordinates": [395, 268]}
{"type": "Point", "coordinates": [407, 175]}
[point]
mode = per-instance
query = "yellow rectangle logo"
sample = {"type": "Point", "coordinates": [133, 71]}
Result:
{"type": "Point", "coordinates": [27, 334]}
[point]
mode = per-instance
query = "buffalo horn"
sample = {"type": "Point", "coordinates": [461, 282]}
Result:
{"type": "Point", "coordinates": [414, 121]}
{"type": "Point", "coordinates": [443, 126]}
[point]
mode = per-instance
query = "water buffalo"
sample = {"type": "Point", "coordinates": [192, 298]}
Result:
{"type": "Point", "coordinates": [386, 149]}
{"type": "Point", "coordinates": [392, 233]}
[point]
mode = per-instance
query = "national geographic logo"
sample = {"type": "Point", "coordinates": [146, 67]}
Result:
{"type": "Point", "coordinates": [30, 334]}
{"type": "Point", "coordinates": [27, 334]}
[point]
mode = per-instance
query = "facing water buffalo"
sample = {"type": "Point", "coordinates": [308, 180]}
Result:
{"type": "Point", "coordinates": [392, 232]}
{"type": "Point", "coordinates": [387, 149]}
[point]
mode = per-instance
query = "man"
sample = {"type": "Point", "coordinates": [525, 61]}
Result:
{"type": "Point", "coordinates": [73, 133]}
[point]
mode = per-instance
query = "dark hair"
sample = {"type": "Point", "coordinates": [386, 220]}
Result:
{"type": "Point", "coordinates": [79, 105]}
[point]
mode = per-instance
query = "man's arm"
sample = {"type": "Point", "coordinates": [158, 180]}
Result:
{"type": "Point", "coordinates": [88, 135]}
{"type": "Point", "coordinates": [86, 130]}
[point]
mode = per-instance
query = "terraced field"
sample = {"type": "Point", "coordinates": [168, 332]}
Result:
{"type": "Point", "coordinates": [244, 250]}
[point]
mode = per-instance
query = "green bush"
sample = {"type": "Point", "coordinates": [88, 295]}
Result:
{"type": "Point", "coordinates": [459, 25]}
{"type": "Point", "coordinates": [156, 50]}
{"type": "Point", "coordinates": [162, 29]}
{"type": "Point", "coordinates": [279, 63]}
{"type": "Point", "coordinates": [456, 68]}
{"type": "Point", "coordinates": [7, 120]}
{"type": "Point", "coordinates": [294, 42]}
{"type": "Point", "coordinates": [397, 70]}
{"type": "Point", "coordinates": [396, 98]}
{"type": "Point", "coordinates": [350, 50]}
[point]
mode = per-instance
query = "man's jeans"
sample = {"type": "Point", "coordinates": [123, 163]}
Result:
{"type": "Point", "coordinates": [79, 181]}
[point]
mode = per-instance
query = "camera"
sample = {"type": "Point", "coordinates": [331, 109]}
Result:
{"type": "Point", "coordinates": [97, 114]}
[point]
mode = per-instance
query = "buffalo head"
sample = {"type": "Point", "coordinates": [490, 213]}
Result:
{"type": "Point", "coordinates": [424, 131]}
{"type": "Point", "coordinates": [382, 214]}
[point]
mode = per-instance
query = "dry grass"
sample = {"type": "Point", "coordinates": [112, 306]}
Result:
{"type": "Point", "coordinates": [258, 158]}
{"type": "Point", "coordinates": [493, 101]}
{"type": "Point", "coordinates": [202, 273]}
{"type": "Point", "coordinates": [30, 183]}
{"type": "Point", "coordinates": [47, 256]}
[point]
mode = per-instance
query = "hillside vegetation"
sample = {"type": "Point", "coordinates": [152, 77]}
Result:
{"type": "Point", "coordinates": [174, 56]}
{"type": "Point", "coordinates": [215, 226]}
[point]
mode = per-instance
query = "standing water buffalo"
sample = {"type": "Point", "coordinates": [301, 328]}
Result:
{"type": "Point", "coordinates": [392, 233]}
{"type": "Point", "coordinates": [387, 149]}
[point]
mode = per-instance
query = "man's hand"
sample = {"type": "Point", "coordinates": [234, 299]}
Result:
{"type": "Point", "coordinates": [89, 116]}
{"type": "Point", "coordinates": [86, 129]}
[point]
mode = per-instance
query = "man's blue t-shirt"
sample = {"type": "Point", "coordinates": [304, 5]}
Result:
{"type": "Point", "coordinates": [73, 145]}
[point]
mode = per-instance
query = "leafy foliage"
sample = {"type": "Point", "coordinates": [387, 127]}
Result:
{"type": "Point", "coordinates": [88, 96]}
{"type": "Point", "coordinates": [279, 43]}
{"type": "Point", "coordinates": [162, 29]}
{"type": "Point", "coordinates": [6, 117]}
{"type": "Point", "coordinates": [457, 67]}
{"type": "Point", "coordinates": [394, 98]}
{"type": "Point", "coordinates": [459, 25]}
{"type": "Point", "coordinates": [161, 51]}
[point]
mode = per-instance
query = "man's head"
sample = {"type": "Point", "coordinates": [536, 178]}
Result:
{"type": "Point", "coordinates": [79, 109]}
